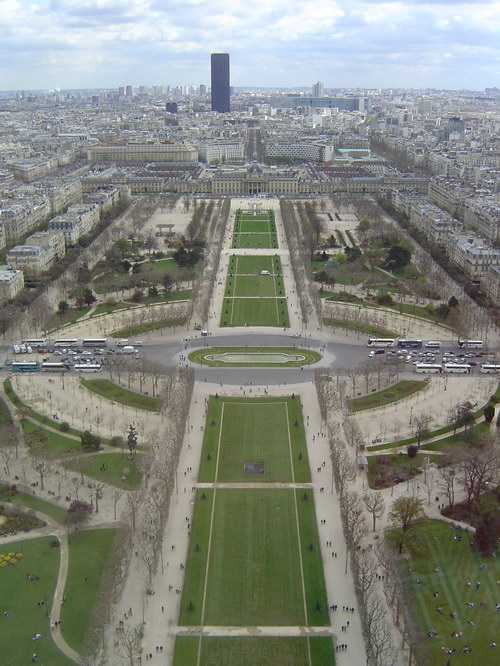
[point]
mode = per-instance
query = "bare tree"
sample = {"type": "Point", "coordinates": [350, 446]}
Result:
{"type": "Point", "coordinates": [129, 643]}
{"type": "Point", "coordinates": [421, 427]}
{"type": "Point", "coordinates": [448, 476]}
{"type": "Point", "coordinates": [479, 469]}
{"type": "Point", "coordinates": [116, 494]}
{"type": "Point", "coordinates": [98, 489]}
{"type": "Point", "coordinates": [42, 464]}
{"type": "Point", "coordinates": [343, 469]}
{"type": "Point", "coordinates": [353, 516]}
{"type": "Point", "coordinates": [134, 503]}
{"type": "Point", "coordinates": [352, 432]}
{"type": "Point", "coordinates": [375, 505]}
{"type": "Point", "coordinates": [145, 548]}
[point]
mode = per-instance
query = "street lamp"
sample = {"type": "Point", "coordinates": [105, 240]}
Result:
{"type": "Point", "coordinates": [411, 414]}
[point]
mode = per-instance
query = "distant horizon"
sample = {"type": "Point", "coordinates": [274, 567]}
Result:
{"type": "Point", "coordinates": [102, 44]}
{"type": "Point", "coordinates": [248, 88]}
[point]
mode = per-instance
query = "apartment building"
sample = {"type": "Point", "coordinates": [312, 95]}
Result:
{"type": "Point", "coordinates": [142, 152]}
{"type": "Point", "coordinates": [21, 217]}
{"type": "Point", "coordinates": [11, 283]}
{"type": "Point", "coordinates": [62, 194]}
{"type": "Point", "coordinates": [31, 259]}
{"type": "Point", "coordinates": [472, 253]}
{"type": "Point", "coordinates": [301, 151]}
{"type": "Point", "coordinates": [31, 169]}
{"type": "Point", "coordinates": [50, 239]}
{"type": "Point", "coordinates": [222, 152]}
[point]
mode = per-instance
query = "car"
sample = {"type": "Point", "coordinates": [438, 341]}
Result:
{"type": "Point", "coordinates": [448, 354]}
{"type": "Point", "coordinates": [86, 353]}
{"type": "Point", "coordinates": [111, 352]}
{"type": "Point", "coordinates": [469, 355]}
{"type": "Point", "coordinates": [295, 335]}
{"type": "Point", "coordinates": [472, 363]}
{"type": "Point", "coordinates": [57, 352]}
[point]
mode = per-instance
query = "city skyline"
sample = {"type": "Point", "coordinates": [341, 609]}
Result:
{"type": "Point", "coordinates": [444, 44]}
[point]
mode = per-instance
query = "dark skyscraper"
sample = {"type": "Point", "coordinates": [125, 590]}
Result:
{"type": "Point", "coordinates": [220, 82]}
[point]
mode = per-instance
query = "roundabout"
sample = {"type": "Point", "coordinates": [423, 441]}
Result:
{"type": "Point", "coordinates": [254, 357]}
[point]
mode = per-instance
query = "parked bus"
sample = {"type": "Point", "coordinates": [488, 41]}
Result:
{"type": "Point", "coordinates": [48, 366]}
{"type": "Point", "coordinates": [457, 368]}
{"type": "Point", "coordinates": [35, 342]}
{"type": "Point", "coordinates": [380, 342]}
{"type": "Point", "coordinates": [429, 368]}
{"type": "Point", "coordinates": [410, 344]}
{"type": "Point", "coordinates": [94, 342]}
{"type": "Point", "coordinates": [87, 367]}
{"type": "Point", "coordinates": [25, 366]}
{"type": "Point", "coordinates": [433, 344]}
{"type": "Point", "coordinates": [470, 344]}
{"type": "Point", "coordinates": [489, 369]}
{"type": "Point", "coordinates": [66, 343]}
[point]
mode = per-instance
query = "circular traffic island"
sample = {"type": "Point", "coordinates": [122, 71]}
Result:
{"type": "Point", "coordinates": [264, 357]}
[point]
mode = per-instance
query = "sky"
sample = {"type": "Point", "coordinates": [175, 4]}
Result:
{"type": "Point", "coordinates": [49, 44]}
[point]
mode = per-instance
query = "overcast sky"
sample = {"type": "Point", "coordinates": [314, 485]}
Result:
{"type": "Point", "coordinates": [280, 43]}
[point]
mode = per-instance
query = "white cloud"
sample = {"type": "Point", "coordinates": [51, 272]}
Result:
{"type": "Point", "coordinates": [280, 42]}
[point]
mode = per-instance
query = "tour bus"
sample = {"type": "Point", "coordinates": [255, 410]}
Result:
{"type": "Point", "coordinates": [380, 342]}
{"type": "Point", "coordinates": [94, 342]}
{"type": "Point", "coordinates": [433, 344]}
{"type": "Point", "coordinates": [429, 368]}
{"type": "Point", "coordinates": [25, 366]}
{"type": "Point", "coordinates": [48, 366]}
{"type": "Point", "coordinates": [470, 344]}
{"type": "Point", "coordinates": [489, 369]}
{"type": "Point", "coordinates": [35, 342]}
{"type": "Point", "coordinates": [87, 367]}
{"type": "Point", "coordinates": [457, 368]}
{"type": "Point", "coordinates": [407, 344]}
{"type": "Point", "coordinates": [66, 343]}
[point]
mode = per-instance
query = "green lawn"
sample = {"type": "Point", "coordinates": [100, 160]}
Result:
{"type": "Point", "coordinates": [255, 312]}
{"type": "Point", "coordinates": [255, 651]}
{"type": "Point", "coordinates": [458, 563]}
{"type": "Point", "coordinates": [88, 554]}
{"type": "Point", "coordinates": [255, 241]}
{"type": "Point", "coordinates": [22, 600]}
{"type": "Point", "coordinates": [137, 329]}
{"type": "Point", "coordinates": [5, 417]}
{"type": "Point", "coordinates": [110, 390]}
{"type": "Point", "coordinates": [257, 226]}
{"type": "Point", "coordinates": [347, 273]}
{"type": "Point", "coordinates": [391, 394]}
{"type": "Point", "coordinates": [57, 444]}
{"type": "Point", "coordinates": [253, 265]}
{"type": "Point", "coordinates": [201, 356]}
{"type": "Point", "coordinates": [118, 465]}
{"type": "Point", "coordinates": [260, 565]}
{"type": "Point", "coordinates": [162, 266]}
{"type": "Point", "coordinates": [369, 329]}
{"type": "Point", "coordinates": [254, 285]}
{"type": "Point", "coordinates": [279, 444]}
{"type": "Point", "coordinates": [51, 510]}
{"type": "Point", "coordinates": [69, 317]}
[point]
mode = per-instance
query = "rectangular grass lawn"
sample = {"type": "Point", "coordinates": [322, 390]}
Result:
{"type": "Point", "coordinates": [251, 226]}
{"type": "Point", "coordinates": [252, 265]}
{"type": "Point", "coordinates": [254, 285]}
{"type": "Point", "coordinates": [24, 602]}
{"type": "Point", "coordinates": [254, 574]}
{"type": "Point", "coordinates": [254, 651]}
{"type": "Point", "coordinates": [255, 241]}
{"type": "Point", "coordinates": [255, 312]}
{"type": "Point", "coordinates": [268, 430]}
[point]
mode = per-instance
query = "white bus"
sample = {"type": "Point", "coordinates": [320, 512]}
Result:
{"type": "Point", "coordinates": [380, 342]}
{"type": "Point", "coordinates": [489, 369]}
{"type": "Point", "coordinates": [94, 342]}
{"type": "Point", "coordinates": [470, 344]}
{"type": "Point", "coordinates": [429, 368]}
{"type": "Point", "coordinates": [87, 367]}
{"type": "Point", "coordinates": [35, 342]}
{"type": "Point", "coordinates": [457, 368]}
{"type": "Point", "coordinates": [66, 343]}
{"type": "Point", "coordinates": [48, 366]}
{"type": "Point", "coordinates": [433, 344]}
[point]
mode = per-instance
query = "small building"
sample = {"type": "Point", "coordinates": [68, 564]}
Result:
{"type": "Point", "coordinates": [11, 283]}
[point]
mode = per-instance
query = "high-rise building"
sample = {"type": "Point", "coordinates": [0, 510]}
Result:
{"type": "Point", "coordinates": [220, 82]}
{"type": "Point", "coordinates": [317, 89]}
{"type": "Point", "coordinates": [129, 91]}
